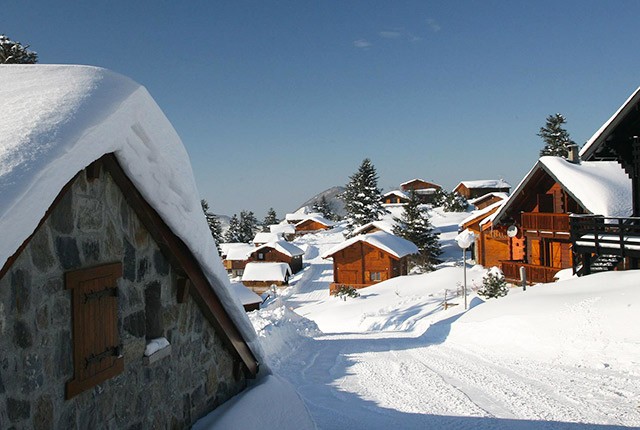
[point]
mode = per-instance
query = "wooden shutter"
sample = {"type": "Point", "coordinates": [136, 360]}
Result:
{"type": "Point", "coordinates": [96, 342]}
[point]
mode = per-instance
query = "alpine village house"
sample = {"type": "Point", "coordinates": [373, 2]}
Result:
{"type": "Point", "coordinates": [114, 311]}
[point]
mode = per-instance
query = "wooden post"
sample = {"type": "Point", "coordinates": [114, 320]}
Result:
{"type": "Point", "coordinates": [523, 278]}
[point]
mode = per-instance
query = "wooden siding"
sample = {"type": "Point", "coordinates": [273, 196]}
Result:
{"type": "Point", "coordinates": [419, 185]}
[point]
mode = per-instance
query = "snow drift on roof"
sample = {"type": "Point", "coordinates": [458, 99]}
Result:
{"type": "Point", "coordinates": [239, 251]}
{"type": "Point", "coordinates": [390, 243]}
{"type": "Point", "coordinates": [56, 120]}
{"type": "Point", "coordinates": [282, 228]}
{"type": "Point", "coordinates": [485, 183]}
{"type": "Point", "coordinates": [283, 247]}
{"type": "Point", "coordinates": [266, 272]}
{"type": "Point", "coordinates": [245, 295]}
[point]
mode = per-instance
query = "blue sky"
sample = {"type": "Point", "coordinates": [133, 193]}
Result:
{"type": "Point", "coordinates": [279, 100]}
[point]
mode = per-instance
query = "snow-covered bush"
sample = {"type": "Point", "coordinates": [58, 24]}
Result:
{"type": "Point", "coordinates": [345, 291]}
{"type": "Point", "coordinates": [493, 284]}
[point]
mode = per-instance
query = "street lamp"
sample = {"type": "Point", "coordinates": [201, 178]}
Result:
{"type": "Point", "coordinates": [464, 240]}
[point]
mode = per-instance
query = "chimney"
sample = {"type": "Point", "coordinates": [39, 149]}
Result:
{"type": "Point", "coordinates": [573, 155]}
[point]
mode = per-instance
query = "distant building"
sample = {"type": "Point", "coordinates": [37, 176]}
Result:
{"type": "Point", "coordinates": [425, 191]}
{"type": "Point", "coordinates": [313, 224]}
{"type": "Point", "coordinates": [474, 189]}
{"type": "Point", "coordinates": [278, 252]}
{"type": "Point", "coordinates": [259, 277]}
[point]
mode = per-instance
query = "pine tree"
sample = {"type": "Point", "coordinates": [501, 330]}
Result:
{"type": "Point", "coordinates": [270, 219]}
{"type": "Point", "coordinates": [493, 284]}
{"type": "Point", "coordinates": [248, 226]}
{"type": "Point", "coordinates": [213, 222]}
{"type": "Point", "coordinates": [450, 202]}
{"type": "Point", "coordinates": [362, 196]}
{"type": "Point", "coordinates": [324, 207]}
{"type": "Point", "coordinates": [233, 233]}
{"type": "Point", "coordinates": [15, 53]}
{"type": "Point", "coordinates": [414, 226]}
{"type": "Point", "coordinates": [556, 138]}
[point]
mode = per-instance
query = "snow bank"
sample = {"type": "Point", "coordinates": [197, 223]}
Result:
{"type": "Point", "coordinates": [590, 321]}
{"type": "Point", "coordinates": [273, 403]}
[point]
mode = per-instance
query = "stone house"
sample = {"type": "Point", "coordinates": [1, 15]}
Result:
{"type": "Point", "coordinates": [109, 317]}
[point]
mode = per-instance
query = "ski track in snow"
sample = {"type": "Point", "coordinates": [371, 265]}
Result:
{"type": "Point", "coordinates": [383, 380]}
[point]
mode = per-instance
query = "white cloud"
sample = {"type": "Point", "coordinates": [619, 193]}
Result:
{"type": "Point", "coordinates": [433, 25]}
{"type": "Point", "coordinates": [390, 34]}
{"type": "Point", "coordinates": [361, 43]}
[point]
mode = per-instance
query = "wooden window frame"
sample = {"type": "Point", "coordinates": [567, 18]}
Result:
{"type": "Point", "coordinates": [94, 307]}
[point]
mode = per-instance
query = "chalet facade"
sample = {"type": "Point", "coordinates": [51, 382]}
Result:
{"type": "Point", "coordinates": [395, 197]}
{"type": "Point", "coordinates": [368, 259]}
{"type": "Point", "coordinates": [313, 224]}
{"type": "Point", "coordinates": [474, 189]}
{"type": "Point", "coordinates": [259, 277]}
{"type": "Point", "coordinates": [109, 316]}
{"type": "Point", "coordinates": [425, 191]}
{"type": "Point", "coordinates": [235, 257]}
{"type": "Point", "coordinates": [492, 245]}
{"type": "Point", "coordinates": [539, 211]}
{"type": "Point", "coordinates": [278, 252]}
{"type": "Point", "coordinates": [605, 237]}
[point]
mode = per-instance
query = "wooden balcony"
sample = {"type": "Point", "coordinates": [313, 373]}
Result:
{"type": "Point", "coordinates": [546, 224]}
{"type": "Point", "coordinates": [535, 274]}
{"type": "Point", "coordinates": [606, 235]}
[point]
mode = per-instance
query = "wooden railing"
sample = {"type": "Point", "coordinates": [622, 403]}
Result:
{"type": "Point", "coordinates": [606, 235]}
{"type": "Point", "coordinates": [535, 274]}
{"type": "Point", "coordinates": [545, 222]}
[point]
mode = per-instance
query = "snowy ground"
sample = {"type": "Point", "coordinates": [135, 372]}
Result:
{"type": "Point", "coordinates": [558, 356]}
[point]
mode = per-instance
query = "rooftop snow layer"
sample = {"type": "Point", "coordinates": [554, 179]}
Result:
{"type": "Point", "coordinates": [390, 243]}
{"type": "Point", "coordinates": [56, 120]}
{"type": "Point", "coordinates": [282, 228]}
{"type": "Point", "coordinates": [266, 272]}
{"type": "Point", "coordinates": [481, 212]}
{"type": "Point", "coordinates": [239, 251]}
{"type": "Point", "coordinates": [264, 237]}
{"type": "Point", "coordinates": [283, 247]}
{"type": "Point", "coordinates": [485, 183]}
{"type": "Point", "coordinates": [386, 224]}
{"type": "Point", "coordinates": [245, 295]}
{"type": "Point", "coordinates": [317, 218]}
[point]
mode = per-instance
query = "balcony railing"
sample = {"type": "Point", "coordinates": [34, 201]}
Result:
{"type": "Point", "coordinates": [546, 223]}
{"type": "Point", "coordinates": [535, 274]}
{"type": "Point", "coordinates": [606, 235]}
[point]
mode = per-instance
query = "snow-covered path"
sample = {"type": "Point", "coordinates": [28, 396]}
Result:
{"type": "Point", "coordinates": [397, 367]}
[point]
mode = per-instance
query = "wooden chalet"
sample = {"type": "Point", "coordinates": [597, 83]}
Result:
{"type": "Point", "coordinates": [112, 310]}
{"type": "Point", "coordinates": [300, 215]}
{"type": "Point", "coordinates": [368, 259]}
{"type": "Point", "coordinates": [488, 200]}
{"type": "Point", "coordinates": [278, 252]}
{"type": "Point", "coordinates": [235, 257]}
{"type": "Point", "coordinates": [288, 231]}
{"type": "Point", "coordinates": [313, 224]}
{"type": "Point", "coordinates": [395, 197]}
{"type": "Point", "coordinates": [265, 237]}
{"type": "Point", "coordinates": [425, 191]}
{"type": "Point", "coordinates": [603, 238]}
{"type": "Point", "coordinates": [259, 277]}
{"type": "Point", "coordinates": [539, 210]}
{"type": "Point", "coordinates": [474, 189]}
{"type": "Point", "coordinates": [492, 244]}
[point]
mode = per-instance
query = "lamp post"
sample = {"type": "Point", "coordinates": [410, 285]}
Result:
{"type": "Point", "coordinates": [464, 240]}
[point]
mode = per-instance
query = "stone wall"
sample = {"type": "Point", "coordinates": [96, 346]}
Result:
{"type": "Point", "coordinates": [93, 225]}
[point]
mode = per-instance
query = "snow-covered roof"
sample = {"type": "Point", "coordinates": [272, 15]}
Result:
{"type": "Point", "coordinates": [283, 247]}
{"type": "Point", "coordinates": [600, 187]}
{"type": "Point", "coordinates": [485, 183]}
{"type": "Point", "coordinates": [301, 213]}
{"type": "Point", "coordinates": [317, 218]}
{"type": "Point", "coordinates": [594, 142]}
{"type": "Point", "coordinates": [475, 215]}
{"type": "Point", "coordinates": [236, 251]}
{"type": "Point", "coordinates": [418, 180]}
{"type": "Point", "coordinates": [496, 194]}
{"type": "Point", "coordinates": [264, 237]}
{"type": "Point", "coordinates": [266, 272]}
{"type": "Point", "coordinates": [398, 193]}
{"type": "Point", "coordinates": [390, 243]}
{"type": "Point", "coordinates": [386, 224]}
{"type": "Point", "coordinates": [58, 119]}
{"type": "Point", "coordinates": [282, 228]}
{"type": "Point", "coordinates": [245, 295]}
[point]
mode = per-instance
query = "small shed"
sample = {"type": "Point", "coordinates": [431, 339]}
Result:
{"type": "Point", "coordinates": [249, 299]}
{"type": "Point", "coordinates": [477, 188]}
{"type": "Point", "coordinates": [105, 256]}
{"type": "Point", "coordinates": [278, 252]}
{"type": "Point", "coordinates": [370, 258]}
{"type": "Point", "coordinates": [261, 276]}
{"type": "Point", "coordinates": [313, 224]}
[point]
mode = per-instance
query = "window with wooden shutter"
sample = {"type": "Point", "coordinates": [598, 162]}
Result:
{"type": "Point", "coordinates": [96, 342]}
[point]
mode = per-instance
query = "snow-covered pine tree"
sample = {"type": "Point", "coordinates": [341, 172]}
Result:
{"type": "Point", "coordinates": [414, 226]}
{"type": "Point", "coordinates": [556, 138]}
{"type": "Point", "coordinates": [324, 207]}
{"type": "Point", "coordinates": [270, 219]}
{"type": "Point", "coordinates": [362, 196]}
{"type": "Point", "coordinates": [454, 202]}
{"type": "Point", "coordinates": [15, 53]}
{"type": "Point", "coordinates": [248, 226]}
{"type": "Point", "coordinates": [214, 223]}
{"type": "Point", "coordinates": [233, 233]}
{"type": "Point", "coordinates": [493, 284]}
